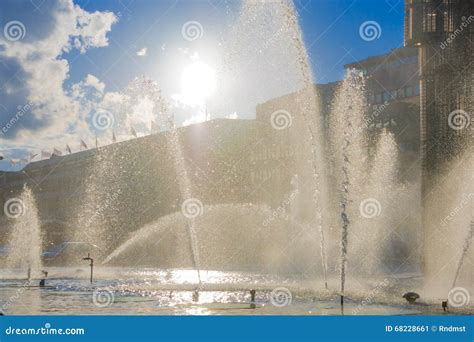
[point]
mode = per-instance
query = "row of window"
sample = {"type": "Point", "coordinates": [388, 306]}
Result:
{"type": "Point", "coordinates": [397, 63]}
{"type": "Point", "coordinates": [387, 96]}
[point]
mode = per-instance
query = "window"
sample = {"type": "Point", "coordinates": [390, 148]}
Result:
{"type": "Point", "coordinates": [429, 19]}
{"type": "Point", "coordinates": [401, 93]}
{"type": "Point", "coordinates": [378, 98]}
{"type": "Point", "coordinates": [417, 90]}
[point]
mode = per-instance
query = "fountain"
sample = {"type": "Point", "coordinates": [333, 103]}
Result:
{"type": "Point", "coordinates": [348, 142]}
{"type": "Point", "coordinates": [449, 228]}
{"type": "Point", "coordinates": [334, 235]}
{"type": "Point", "coordinates": [25, 242]}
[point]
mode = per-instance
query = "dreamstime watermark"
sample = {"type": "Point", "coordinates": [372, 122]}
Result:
{"type": "Point", "coordinates": [281, 297]}
{"type": "Point", "coordinates": [370, 208]}
{"type": "Point", "coordinates": [369, 299]}
{"type": "Point", "coordinates": [105, 205]}
{"type": "Point", "coordinates": [21, 110]}
{"type": "Point", "coordinates": [282, 207]}
{"type": "Point", "coordinates": [103, 297]}
{"type": "Point", "coordinates": [466, 199]}
{"type": "Point", "coordinates": [13, 299]}
{"type": "Point", "coordinates": [46, 330]}
{"type": "Point", "coordinates": [14, 208]}
{"type": "Point", "coordinates": [192, 30]}
{"type": "Point", "coordinates": [14, 30]}
{"type": "Point", "coordinates": [103, 120]}
{"type": "Point", "coordinates": [459, 119]}
{"type": "Point", "coordinates": [458, 297]}
{"type": "Point", "coordinates": [375, 114]}
{"type": "Point", "coordinates": [370, 30]}
{"type": "Point", "coordinates": [281, 119]}
{"type": "Point", "coordinates": [457, 32]}
{"type": "Point", "coordinates": [192, 208]}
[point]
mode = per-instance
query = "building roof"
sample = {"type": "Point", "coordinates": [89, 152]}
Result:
{"type": "Point", "coordinates": [394, 54]}
{"type": "Point", "coordinates": [90, 153]}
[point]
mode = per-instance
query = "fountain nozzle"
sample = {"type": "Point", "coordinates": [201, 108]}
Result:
{"type": "Point", "coordinates": [196, 295]}
{"type": "Point", "coordinates": [252, 299]}
{"type": "Point", "coordinates": [444, 304]}
{"type": "Point", "coordinates": [42, 282]}
{"type": "Point", "coordinates": [88, 257]}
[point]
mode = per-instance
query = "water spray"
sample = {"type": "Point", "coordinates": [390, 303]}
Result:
{"type": "Point", "coordinates": [316, 150]}
{"type": "Point", "coordinates": [465, 249]}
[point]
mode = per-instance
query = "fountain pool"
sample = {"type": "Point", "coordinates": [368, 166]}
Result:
{"type": "Point", "coordinates": [149, 291]}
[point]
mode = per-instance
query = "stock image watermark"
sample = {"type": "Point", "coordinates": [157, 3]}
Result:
{"type": "Point", "coordinates": [281, 119]}
{"type": "Point", "coordinates": [370, 208]}
{"type": "Point", "coordinates": [192, 30]}
{"type": "Point", "coordinates": [459, 120]}
{"type": "Point", "coordinates": [281, 297]}
{"type": "Point", "coordinates": [103, 297]}
{"type": "Point", "coordinates": [370, 298]}
{"type": "Point", "coordinates": [47, 329]}
{"type": "Point", "coordinates": [282, 208]}
{"type": "Point", "coordinates": [21, 111]}
{"type": "Point", "coordinates": [14, 30]}
{"type": "Point", "coordinates": [465, 22]}
{"type": "Point", "coordinates": [14, 208]}
{"type": "Point", "coordinates": [192, 208]}
{"type": "Point", "coordinates": [465, 201]}
{"type": "Point", "coordinates": [370, 30]}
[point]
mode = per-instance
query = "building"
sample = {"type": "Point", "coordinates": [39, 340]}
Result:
{"type": "Point", "coordinates": [443, 30]}
{"type": "Point", "coordinates": [125, 185]}
{"type": "Point", "coordinates": [393, 97]}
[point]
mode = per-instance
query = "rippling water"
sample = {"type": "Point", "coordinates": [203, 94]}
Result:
{"type": "Point", "coordinates": [147, 291]}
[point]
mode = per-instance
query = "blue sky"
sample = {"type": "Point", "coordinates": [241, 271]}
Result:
{"type": "Point", "coordinates": [73, 62]}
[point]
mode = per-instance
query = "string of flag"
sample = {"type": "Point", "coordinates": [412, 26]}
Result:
{"type": "Point", "coordinates": [44, 154]}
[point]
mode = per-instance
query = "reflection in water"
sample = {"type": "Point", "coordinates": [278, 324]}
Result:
{"type": "Point", "coordinates": [169, 292]}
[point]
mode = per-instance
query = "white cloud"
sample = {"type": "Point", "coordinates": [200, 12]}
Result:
{"type": "Point", "coordinates": [59, 112]}
{"type": "Point", "coordinates": [142, 52]}
{"type": "Point", "coordinates": [92, 29]}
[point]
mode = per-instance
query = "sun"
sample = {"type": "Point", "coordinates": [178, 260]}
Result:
{"type": "Point", "coordinates": [198, 82]}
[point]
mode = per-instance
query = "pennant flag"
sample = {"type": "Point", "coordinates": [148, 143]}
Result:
{"type": "Point", "coordinates": [33, 155]}
{"type": "Point", "coordinates": [57, 152]}
{"type": "Point", "coordinates": [134, 133]}
{"type": "Point", "coordinates": [45, 154]}
{"type": "Point", "coordinates": [114, 138]}
{"type": "Point", "coordinates": [83, 144]}
{"type": "Point", "coordinates": [68, 149]}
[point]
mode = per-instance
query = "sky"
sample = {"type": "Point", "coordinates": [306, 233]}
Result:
{"type": "Point", "coordinates": [72, 70]}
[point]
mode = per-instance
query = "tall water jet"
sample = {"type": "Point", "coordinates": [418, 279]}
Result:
{"type": "Point", "coordinates": [312, 120]}
{"type": "Point", "coordinates": [377, 215]}
{"type": "Point", "coordinates": [347, 123]}
{"type": "Point", "coordinates": [191, 207]}
{"type": "Point", "coordinates": [253, 55]}
{"type": "Point", "coordinates": [25, 241]}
